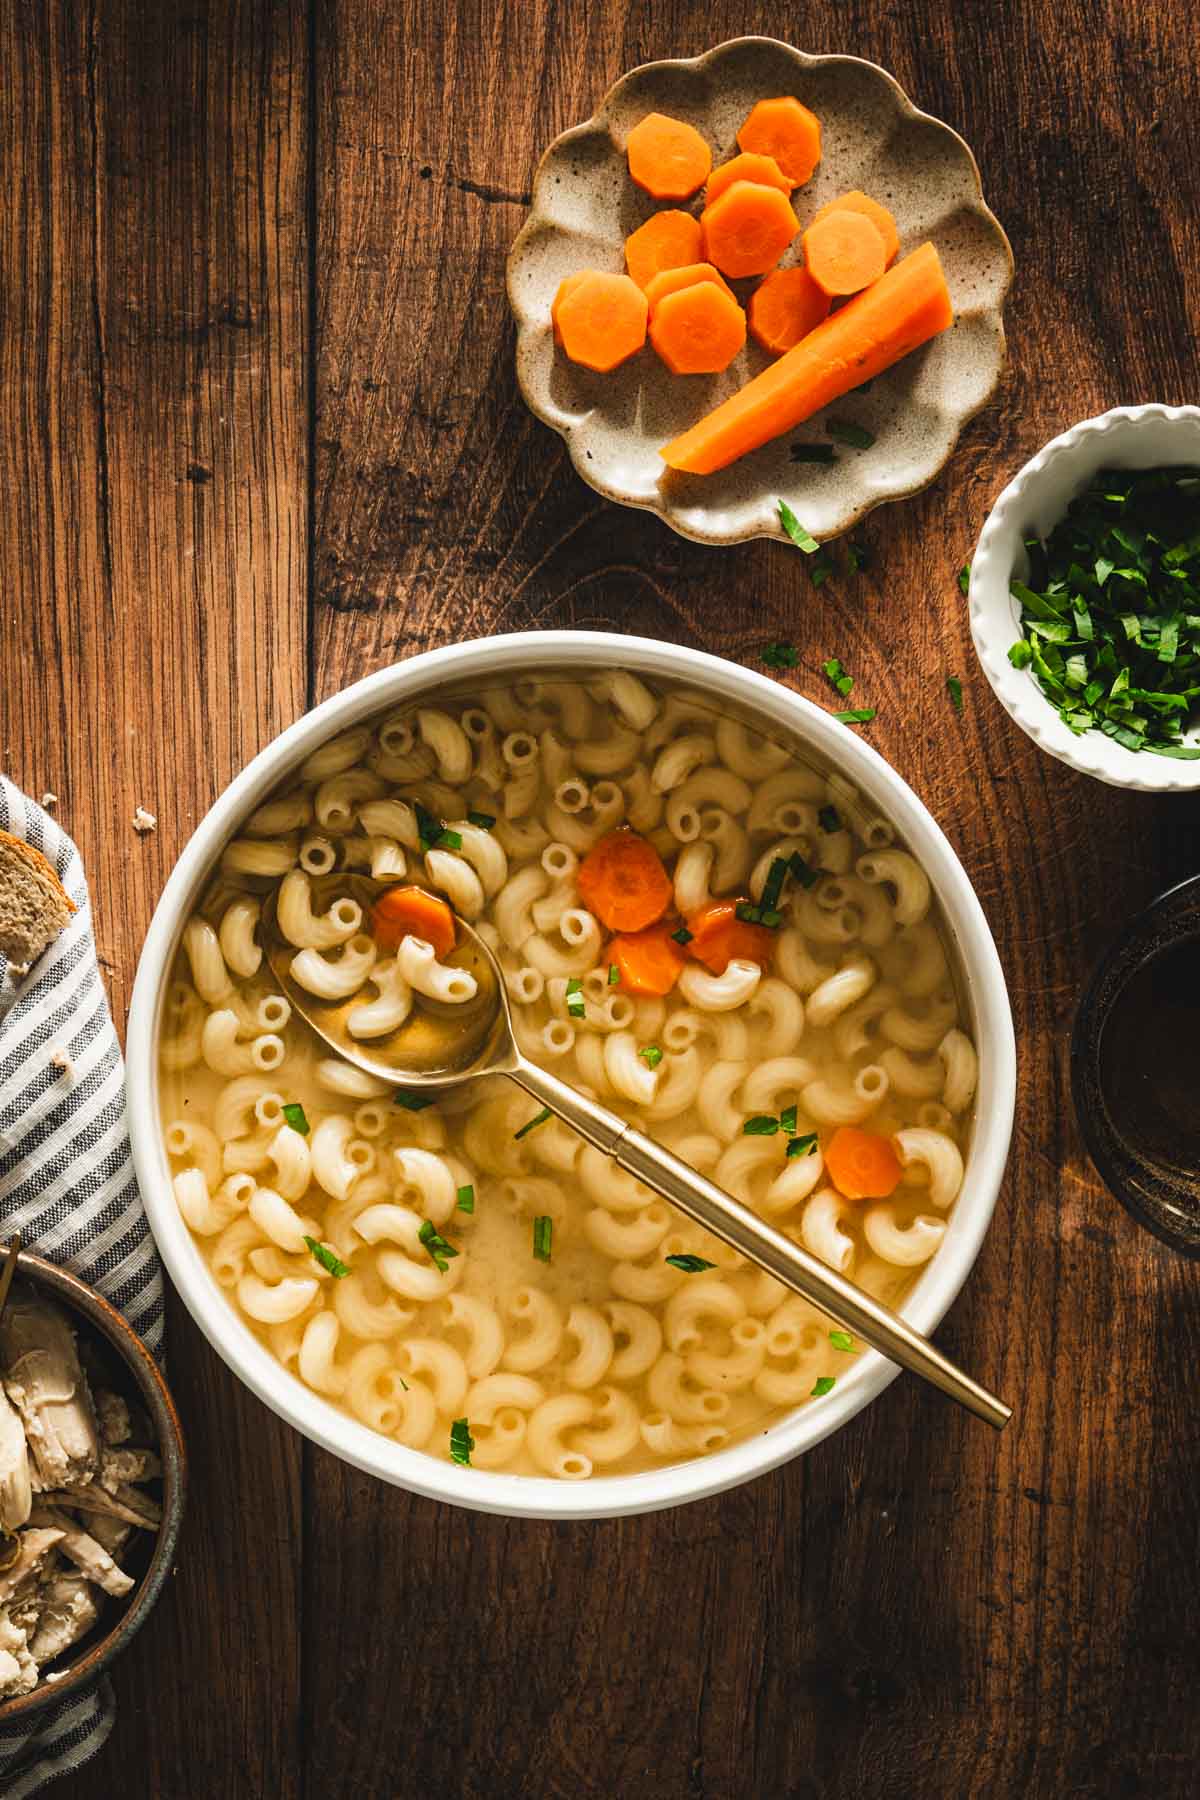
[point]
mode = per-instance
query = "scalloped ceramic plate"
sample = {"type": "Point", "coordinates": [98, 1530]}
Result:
{"type": "Point", "coordinates": [874, 138]}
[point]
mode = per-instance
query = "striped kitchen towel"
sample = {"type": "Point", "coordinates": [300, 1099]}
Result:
{"type": "Point", "coordinates": [66, 1179]}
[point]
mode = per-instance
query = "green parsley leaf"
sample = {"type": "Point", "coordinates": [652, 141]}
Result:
{"type": "Point", "coordinates": [295, 1116]}
{"type": "Point", "coordinates": [813, 453]}
{"type": "Point", "coordinates": [532, 1124]}
{"type": "Point", "coordinates": [1021, 654]}
{"type": "Point", "coordinates": [543, 1231]}
{"type": "Point", "coordinates": [691, 1265]}
{"type": "Point", "coordinates": [576, 1006]}
{"type": "Point", "coordinates": [651, 1055]}
{"type": "Point", "coordinates": [857, 555]}
{"type": "Point", "coordinates": [771, 918]}
{"type": "Point", "coordinates": [821, 568]}
{"type": "Point", "coordinates": [447, 839]}
{"type": "Point", "coordinates": [804, 874]}
{"type": "Point", "coordinates": [954, 689]}
{"type": "Point", "coordinates": [837, 676]}
{"type": "Point", "coordinates": [439, 1250]}
{"type": "Point", "coordinates": [761, 1125]}
{"type": "Point", "coordinates": [796, 531]}
{"type": "Point", "coordinates": [748, 912]}
{"type": "Point", "coordinates": [411, 1101]}
{"type": "Point", "coordinates": [321, 1253]}
{"type": "Point", "coordinates": [845, 431]}
{"type": "Point", "coordinates": [781, 656]}
{"type": "Point", "coordinates": [828, 819]}
{"type": "Point", "coordinates": [461, 1443]}
{"type": "Point", "coordinates": [682, 936]}
{"type": "Point", "coordinates": [485, 821]}
{"type": "Point", "coordinates": [860, 715]}
{"type": "Point", "coordinates": [773, 885]}
{"type": "Point", "coordinates": [787, 1120]}
{"type": "Point", "coordinates": [841, 1340]}
{"type": "Point", "coordinates": [614, 974]}
{"type": "Point", "coordinates": [964, 579]}
{"type": "Point", "coordinates": [803, 1146]}
{"type": "Point", "coordinates": [464, 1199]}
{"type": "Point", "coordinates": [824, 1384]}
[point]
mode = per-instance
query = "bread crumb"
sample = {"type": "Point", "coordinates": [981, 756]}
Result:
{"type": "Point", "coordinates": [49, 800]}
{"type": "Point", "coordinates": [60, 1060]}
{"type": "Point", "coordinates": [144, 821]}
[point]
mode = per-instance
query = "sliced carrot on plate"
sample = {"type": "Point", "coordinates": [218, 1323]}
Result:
{"type": "Point", "coordinates": [862, 1165]}
{"type": "Point", "coordinates": [410, 912]}
{"type": "Point", "coordinates": [746, 167]}
{"type": "Point", "coordinates": [671, 280]}
{"type": "Point", "coordinates": [565, 287]}
{"type": "Point", "coordinates": [649, 960]}
{"type": "Point", "coordinates": [666, 241]}
{"type": "Point", "coordinates": [787, 131]}
{"type": "Point", "coordinates": [844, 252]}
{"type": "Point", "coordinates": [667, 157]}
{"type": "Point", "coordinates": [880, 217]}
{"type": "Point", "coordinates": [699, 330]}
{"type": "Point", "coordinates": [786, 307]}
{"type": "Point", "coordinates": [719, 937]}
{"type": "Point", "coordinates": [622, 880]}
{"type": "Point", "coordinates": [748, 229]}
{"type": "Point", "coordinates": [602, 320]}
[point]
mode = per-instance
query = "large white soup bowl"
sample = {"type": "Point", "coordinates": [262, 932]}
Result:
{"type": "Point", "coordinates": [785, 716]}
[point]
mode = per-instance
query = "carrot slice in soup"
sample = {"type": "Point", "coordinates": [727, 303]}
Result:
{"type": "Point", "coordinates": [719, 937]}
{"type": "Point", "coordinates": [410, 912]}
{"type": "Point", "coordinates": [880, 217]}
{"type": "Point", "coordinates": [602, 320]}
{"type": "Point", "coordinates": [699, 330]}
{"type": "Point", "coordinates": [844, 252]}
{"type": "Point", "coordinates": [667, 157]}
{"type": "Point", "coordinates": [903, 309]}
{"type": "Point", "coordinates": [666, 241]}
{"type": "Point", "coordinates": [748, 229]}
{"type": "Point", "coordinates": [787, 131]}
{"type": "Point", "coordinates": [747, 167]}
{"type": "Point", "coordinates": [862, 1165]}
{"type": "Point", "coordinates": [786, 307]}
{"type": "Point", "coordinates": [623, 881]}
{"type": "Point", "coordinates": [649, 960]}
{"type": "Point", "coordinates": [671, 280]}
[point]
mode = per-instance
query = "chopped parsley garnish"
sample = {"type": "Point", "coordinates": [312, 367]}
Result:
{"type": "Point", "coordinates": [449, 840]}
{"type": "Point", "coordinates": [575, 1001]}
{"type": "Point", "coordinates": [857, 555]}
{"type": "Point", "coordinates": [412, 1102]}
{"type": "Point", "coordinates": [748, 912]}
{"type": "Point", "coordinates": [796, 531]}
{"type": "Point", "coordinates": [821, 568]}
{"type": "Point", "coordinates": [837, 676]}
{"type": "Point", "coordinates": [691, 1265]}
{"type": "Point", "coordinates": [781, 656]}
{"type": "Point", "coordinates": [532, 1124]}
{"type": "Point", "coordinates": [543, 1231]}
{"type": "Point", "coordinates": [773, 885]}
{"type": "Point", "coordinates": [1110, 613]}
{"type": "Point", "coordinates": [964, 579]}
{"type": "Point", "coordinates": [828, 819]}
{"type": "Point", "coordinates": [682, 936]}
{"type": "Point", "coordinates": [845, 431]}
{"type": "Point", "coordinates": [813, 453]}
{"type": "Point", "coordinates": [824, 1384]}
{"type": "Point", "coordinates": [805, 875]}
{"type": "Point", "coordinates": [772, 918]}
{"type": "Point", "coordinates": [295, 1116]}
{"type": "Point", "coordinates": [841, 1340]}
{"type": "Point", "coordinates": [860, 715]}
{"type": "Point", "coordinates": [436, 1245]}
{"type": "Point", "coordinates": [954, 689]}
{"type": "Point", "coordinates": [803, 1146]}
{"type": "Point", "coordinates": [651, 1055]}
{"type": "Point", "coordinates": [614, 974]}
{"type": "Point", "coordinates": [787, 1120]}
{"type": "Point", "coordinates": [461, 1443]}
{"type": "Point", "coordinates": [321, 1253]}
{"type": "Point", "coordinates": [485, 821]}
{"type": "Point", "coordinates": [429, 828]}
{"type": "Point", "coordinates": [465, 1199]}
{"type": "Point", "coordinates": [761, 1125]}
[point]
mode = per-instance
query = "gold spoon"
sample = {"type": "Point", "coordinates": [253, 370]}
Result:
{"type": "Point", "coordinates": [440, 1046]}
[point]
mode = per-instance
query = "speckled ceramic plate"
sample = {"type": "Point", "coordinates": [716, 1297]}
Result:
{"type": "Point", "coordinates": [873, 138]}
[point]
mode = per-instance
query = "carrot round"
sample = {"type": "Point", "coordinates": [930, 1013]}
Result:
{"type": "Point", "coordinates": [602, 320]}
{"type": "Point", "coordinates": [746, 167]}
{"type": "Point", "coordinates": [748, 228]}
{"type": "Point", "coordinates": [880, 217]}
{"type": "Point", "coordinates": [410, 912]}
{"type": "Point", "coordinates": [565, 287]}
{"type": "Point", "coordinates": [649, 960]}
{"type": "Point", "coordinates": [671, 280]}
{"type": "Point", "coordinates": [623, 881]}
{"type": "Point", "coordinates": [844, 252]}
{"type": "Point", "coordinates": [786, 307]}
{"type": "Point", "coordinates": [719, 937]}
{"type": "Point", "coordinates": [787, 131]}
{"type": "Point", "coordinates": [903, 309]}
{"type": "Point", "coordinates": [862, 1165]}
{"type": "Point", "coordinates": [699, 330]}
{"type": "Point", "coordinates": [667, 157]}
{"type": "Point", "coordinates": [666, 241]}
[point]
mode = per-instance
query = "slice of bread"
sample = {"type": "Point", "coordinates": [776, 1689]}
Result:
{"type": "Point", "coordinates": [33, 906]}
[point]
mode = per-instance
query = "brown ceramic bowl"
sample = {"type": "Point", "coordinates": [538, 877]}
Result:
{"type": "Point", "coordinates": [92, 1316]}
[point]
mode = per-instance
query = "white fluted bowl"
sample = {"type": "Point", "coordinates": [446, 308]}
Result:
{"type": "Point", "coordinates": [1128, 437]}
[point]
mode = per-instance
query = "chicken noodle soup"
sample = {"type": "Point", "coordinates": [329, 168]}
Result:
{"type": "Point", "coordinates": [713, 937]}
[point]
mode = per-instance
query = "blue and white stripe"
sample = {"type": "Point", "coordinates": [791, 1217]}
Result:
{"type": "Point", "coordinates": [67, 1181]}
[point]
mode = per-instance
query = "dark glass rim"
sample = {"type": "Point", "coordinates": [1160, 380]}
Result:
{"type": "Point", "coordinates": [1170, 919]}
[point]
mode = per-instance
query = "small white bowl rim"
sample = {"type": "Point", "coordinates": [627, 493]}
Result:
{"type": "Point", "coordinates": [492, 659]}
{"type": "Point", "coordinates": [994, 625]}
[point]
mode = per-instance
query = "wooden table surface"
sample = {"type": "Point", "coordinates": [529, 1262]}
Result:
{"type": "Point", "coordinates": [260, 435]}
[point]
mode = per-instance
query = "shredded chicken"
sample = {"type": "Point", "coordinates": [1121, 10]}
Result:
{"type": "Point", "coordinates": [45, 1383]}
{"type": "Point", "coordinates": [89, 1557]}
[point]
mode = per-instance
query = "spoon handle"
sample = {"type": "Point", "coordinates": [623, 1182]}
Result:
{"type": "Point", "coordinates": [737, 1226]}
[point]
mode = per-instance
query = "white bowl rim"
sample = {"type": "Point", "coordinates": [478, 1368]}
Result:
{"type": "Point", "coordinates": [601, 1496]}
{"type": "Point", "coordinates": [994, 624]}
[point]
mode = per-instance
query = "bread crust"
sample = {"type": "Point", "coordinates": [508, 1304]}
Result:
{"type": "Point", "coordinates": [54, 903]}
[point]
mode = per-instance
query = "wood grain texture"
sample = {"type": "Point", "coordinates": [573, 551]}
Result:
{"type": "Point", "coordinates": [916, 1607]}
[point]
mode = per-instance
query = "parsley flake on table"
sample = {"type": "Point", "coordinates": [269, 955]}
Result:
{"type": "Point", "coordinates": [837, 677]}
{"type": "Point", "coordinates": [858, 715]}
{"type": "Point", "coordinates": [964, 580]}
{"type": "Point", "coordinates": [781, 656]}
{"type": "Point", "coordinates": [954, 689]}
